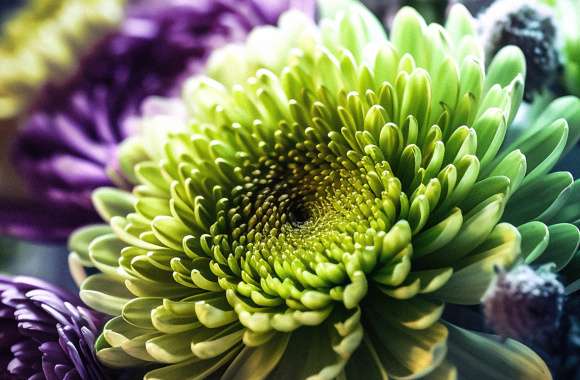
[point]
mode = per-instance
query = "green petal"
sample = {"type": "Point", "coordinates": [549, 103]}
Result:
{"type": "Point", "coordinates": [476, 271]}
{"type": "Point", "coordinates": [110, 202]}
{"type": "Point", "coordinates": [193, 369]}
{"type": "Point", "coordinates": [104, 252]}
{"type": "Point", "coordinates": [404, 353]}
{"type": "Point", "coordinates": [439, 235]}
{"type": "Point", "coordinates": [407, 33]}
{"type": "Point", "coordinates": [417, 314]}
{"type": "Point", "coordinates": [568, 108]}
{"type": "Point", "coordinates": [482, 356]}
{"type": "Point", "coordinates": [171, 348]}
{"type": "Point", "coordinates": [550, 194]}
{"type": "Point", "coordinates": [80, 239]}
{"type": "Point", "coordinates": [543, 148]}
{"type": "Point", "coordinates": [105, 294]}
{"type": "Point", "coordinates": [505, 66]}
{"type": "Point", "coordinates": [564, 241]}
{"type": "Point", "coordinates": [477, 226]}
{"type": "Point", "coordinates": [445, 371]}
{"type": "Point", "coordinates": [322, 351]}
{"type": "Point", "coordinates": [460, 23]}
{"type": "Point", "coordinates": [138, 311]}
{"type": "Point", "coordinates": [258, 362]}
{"type": "Point", "coordinates": [570, 213]}
{"type": "Point", "coordinates": [535, 239]}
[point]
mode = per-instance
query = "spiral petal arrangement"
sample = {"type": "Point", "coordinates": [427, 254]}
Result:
{"type": "Point", "coordinates": [46, 333]}
{"type": "Point", "coordinates": [43, 43]}
{"type": "Point", "coordinates": [326, 198]}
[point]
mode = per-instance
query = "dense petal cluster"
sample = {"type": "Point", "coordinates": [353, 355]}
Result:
{"type": "Point", "coordinates": [67, 147]}
{"type": "Point", "coordinates": [46, 333]}
{"type": "Point", "coordinates": [330, 193]}
{"type": "Point", "coordinates": [42, 43]}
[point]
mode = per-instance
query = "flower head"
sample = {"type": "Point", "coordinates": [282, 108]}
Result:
{"type": "Point", "coordinates": [42, 42]}
{"type": "Point", "coordinates": [530, 26]}
{"type": "Point", "coordinates": [524, 304]}
{"type": "Point", "coordinates": [331, 192]}
{"type": "Point", "coordinates": [45, 333]}
{"type": "Point", "coordinates": [67, 147]}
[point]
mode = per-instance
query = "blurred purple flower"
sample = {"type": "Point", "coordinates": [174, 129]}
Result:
{"type": "Point", "coordinates": [67, 147]}
{"type": "Point", "coordinates": [45, 333]}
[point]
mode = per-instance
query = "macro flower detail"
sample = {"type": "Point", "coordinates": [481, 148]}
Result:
{"type": "Point", "coordinates": [68, 145]}
{"type": "Point", "coordinates": [42, 43]}
{"type": "Point", "coordinates": [46, 333]}
{"type": "Point", "coordinates": [524, 304]}
{"type": "Point", "coordinates": [531, 26]}
{"type": "Point", "coordinates": [329, 193]}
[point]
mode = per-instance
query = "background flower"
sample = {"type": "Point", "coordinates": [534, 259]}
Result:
{"type": "Point", "coordinates": [42, 41]}
{"type": "Point", "coordinates": [45, 333]}
{"type": "Point", "coordinates": [332, 192]}
{"type": "Point", "coordinates": [67, 146]}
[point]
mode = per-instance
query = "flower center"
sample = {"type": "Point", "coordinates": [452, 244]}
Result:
{"type": "Point", "coordinates": [298, 215]}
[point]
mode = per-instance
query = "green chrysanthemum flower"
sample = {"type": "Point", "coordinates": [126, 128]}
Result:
{"type": "Point", "coordinates": [332, 191]}
{"type": "Point", "coordinates": [43, 40]}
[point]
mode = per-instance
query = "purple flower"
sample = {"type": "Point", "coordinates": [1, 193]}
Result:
{"type": "Point", "coordinates": [524, 303]}
{"type": "Point", "coordinates": [67, 146]}
{"type": "Point", "coordinates": [45, 333]}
